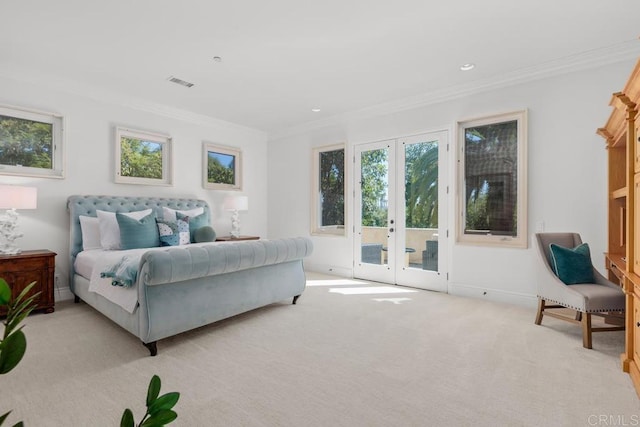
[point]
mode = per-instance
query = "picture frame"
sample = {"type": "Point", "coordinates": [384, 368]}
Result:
{"type": "Point", "coordinates": [143, 158]}
{"type": "Point", "coordinates": [221, 167]}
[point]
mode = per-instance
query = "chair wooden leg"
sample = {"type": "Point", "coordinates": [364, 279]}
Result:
{"type": "Point", "coordinates": [586, 330]}
{"type": "Point", "coordinates": [540, 310]}
{"type": "Point", "coordinates": [579, 316]}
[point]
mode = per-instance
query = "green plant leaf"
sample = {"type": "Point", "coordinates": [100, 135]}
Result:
{"type": "Point", "coordinates": [154, 390]}
{"type": "Point", "coordinates": [25, 291]}
{"type": "Point", "coordinates": [127, 419]}
{"type": "Point", "coordinates": [4, 416]}
{"type": "Point", "coordinates": [160, 419]}
{"type": "Point", "coordinates": [5, 292]}
{"type": "Point", "coordinates": [164, 402]}
{"type": "Point", "coordinates": [19, 424]}
{"type": "Point", "coordinates": [11, 351]}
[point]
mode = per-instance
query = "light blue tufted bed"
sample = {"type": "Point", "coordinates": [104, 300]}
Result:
{"type": "Point", "coordinates": [184, 287]}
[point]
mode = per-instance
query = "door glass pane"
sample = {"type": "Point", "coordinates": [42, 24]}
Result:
{"type": "Point", "coordinates": [421, 205]}
{"type": "Point", "coordinates": [374, 185]}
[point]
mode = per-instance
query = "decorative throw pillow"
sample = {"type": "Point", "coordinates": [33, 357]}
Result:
{"type": "Point", "coordinates": [572, 265]}
{"type": "Point", "coordinates": [174, 233]}
{"type": "Point", "coordinates": [90, 232]}
{"type": "Point", "coordinates": [195, 222]}
{"type": "Point", "coordinates": [138, 233]}
{"type": "Point", "coordinates": [170, 214]}
{"type": "Point", "coordinates": [204, 234]}
{"type": "Point", "coordinates": [109, 229]}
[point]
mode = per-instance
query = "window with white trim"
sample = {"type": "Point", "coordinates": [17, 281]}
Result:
{"type": "Point", "coordinates": [31, 143]}
{"type": "Point", "coordinates": [328, 211]}
{"type": "Point", "coordinates": [492, 202]}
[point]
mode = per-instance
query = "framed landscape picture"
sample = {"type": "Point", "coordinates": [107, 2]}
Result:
{"type": "Point", "coordinates": [222, 167]}
{"type": "Point", "coordinates": [142, 158]}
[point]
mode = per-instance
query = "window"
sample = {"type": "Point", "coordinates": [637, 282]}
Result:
{"type": "Point", "coordinates": [328, 210]}
{"type": "Point", "coordinates": [222, 167]}
{"type": "Point", "coordinates": [492, 167]}
{"type": "Point", "coordinates": [31, 143]}
{"type": "Point", "coordinates": [142, 158]}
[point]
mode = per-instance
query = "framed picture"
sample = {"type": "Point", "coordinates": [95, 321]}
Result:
{"type": "Point", "coordinates": [143, 158]}
{"type": "Point", "coordinates": [222, 167]}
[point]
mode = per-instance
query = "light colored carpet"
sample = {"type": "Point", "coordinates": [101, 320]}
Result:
{"type": "Point", "coordinates": [346, 355]}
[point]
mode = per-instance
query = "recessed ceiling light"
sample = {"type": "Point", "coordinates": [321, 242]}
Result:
{"type": "Point", "coordinates": [315, 110]}
{"type": "Point", "coordinates": [217, 59]}
{"type": "Point", "coordinates": [467, 67]}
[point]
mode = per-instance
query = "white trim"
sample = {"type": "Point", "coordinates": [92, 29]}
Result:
{"type": "Point", "coordinates": [496, 295]}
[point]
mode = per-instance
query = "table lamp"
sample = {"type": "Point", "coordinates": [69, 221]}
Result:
{"type": "Point", "coordinates": [14, 197]}
{"type": "Point", "coordinates": [235, 204]}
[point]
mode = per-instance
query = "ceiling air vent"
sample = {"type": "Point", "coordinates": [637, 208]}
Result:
{"type": "Point", "coordinates": [180, 81]}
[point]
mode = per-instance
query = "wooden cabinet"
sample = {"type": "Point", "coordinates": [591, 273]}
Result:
{"type": "Point", "coordinates": [30, 266]}
{"type": "Point", "coordinates": [622, 133]}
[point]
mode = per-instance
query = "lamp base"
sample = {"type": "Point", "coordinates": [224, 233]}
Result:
{"type": "Point", "coordinates": [235, 224]}
{"type": "Point", "coordinates": [9, 233]}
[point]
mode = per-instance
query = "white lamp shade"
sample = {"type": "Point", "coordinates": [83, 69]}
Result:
{"type": "Point", "coordinates": [18, 197]}
{"type": "Point", "coordinates": [236, 203]}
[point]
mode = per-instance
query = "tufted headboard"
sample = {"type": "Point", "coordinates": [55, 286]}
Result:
{"type": "Point", "coordinates": [87, 205]}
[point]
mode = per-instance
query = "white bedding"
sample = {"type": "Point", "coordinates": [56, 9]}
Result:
{"type": "Point", "coordinates": [90, 264]}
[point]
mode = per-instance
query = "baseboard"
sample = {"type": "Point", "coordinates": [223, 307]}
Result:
{"type": "Point", "coordinates": [496, 295]}
{"type": "Point", "coordinates": [329, 269]}
{"type": "Point", "coordinates": [62, 294]}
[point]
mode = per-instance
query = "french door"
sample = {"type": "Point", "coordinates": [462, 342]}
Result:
{"type": "Point", "coordinates": [401, 211]}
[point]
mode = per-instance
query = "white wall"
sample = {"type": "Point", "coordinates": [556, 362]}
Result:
{"type": "Point", "coordinates": [89, 149]}
{"type": "Point", "coordinates": [566, 174]}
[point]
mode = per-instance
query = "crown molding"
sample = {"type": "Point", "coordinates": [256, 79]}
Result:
{"type": "Point", "coordinates": [582, 61]}
{"type": "Point", "coordinates": [120, 99]}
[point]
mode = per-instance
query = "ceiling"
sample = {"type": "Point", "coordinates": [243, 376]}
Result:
{"type": "Point", "coordinates": [281, 58]}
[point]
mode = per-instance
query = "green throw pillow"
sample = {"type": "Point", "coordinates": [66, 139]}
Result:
{"type": "Point", "coordinates": [138, 233]}
{"type": "Point", "coordinates": [204, 234]}
{"type": "Point", "coordinates": [195, 222]}
{"type": "Point", "coordinates": [572, 266]}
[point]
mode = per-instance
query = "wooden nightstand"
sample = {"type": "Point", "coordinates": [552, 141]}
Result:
{"type": "Point", "coordinates": [30, 266]}
{"type": "Point", "coordinates": [235, 239]}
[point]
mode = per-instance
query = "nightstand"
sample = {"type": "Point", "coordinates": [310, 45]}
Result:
{"type": "Point", "coordinates": [235, 239]}
{"type": "Point", "coordinates": [30, 266]}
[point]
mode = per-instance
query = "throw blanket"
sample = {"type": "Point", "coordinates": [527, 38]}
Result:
{"type": "Point", "coordinates": [114, 277]}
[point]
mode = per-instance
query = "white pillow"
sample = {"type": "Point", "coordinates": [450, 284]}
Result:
{"type": "Point", "coordinates": [169, 214]}
{"type": "Point", "coordinates": [109, 229]}
{"type": "Point", "coordinates": [90, 233]}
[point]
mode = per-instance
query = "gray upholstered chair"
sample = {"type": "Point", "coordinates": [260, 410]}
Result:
{"type": "Point", "coordinates": [599, 298]}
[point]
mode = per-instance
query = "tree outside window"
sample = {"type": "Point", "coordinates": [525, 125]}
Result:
{"type": "Point", "coordinates": [493, 197]}
{"type": "Point", "coordinates": [329, 183]}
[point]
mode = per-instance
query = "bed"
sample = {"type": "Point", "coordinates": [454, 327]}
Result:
{"type": "Point", "coordinates": [174, 289]}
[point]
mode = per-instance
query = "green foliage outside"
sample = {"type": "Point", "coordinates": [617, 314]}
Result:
{"type": "Point", "coordinates": [140, 158]}
{"type": "Point", "coordinates": [332, 187]}
{"type": "Point", "coordinates": [491, 160]}
{"type": "Point", "coordinates": [421, 186]}
{"type": "Point", "coordinates": [374, 175]}
{"type": "Point", "coordinates": [218, 173]}
{"type": "Point", "coordinates": [26, 143]}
